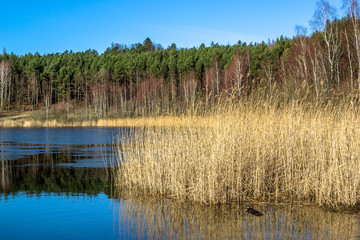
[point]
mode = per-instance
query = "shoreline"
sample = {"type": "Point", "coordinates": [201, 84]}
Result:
{"type": "Point", "coordinates": [17, 119]}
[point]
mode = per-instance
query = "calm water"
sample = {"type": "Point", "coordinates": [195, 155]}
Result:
{"type": "Point", "coordinates": [54, 185]}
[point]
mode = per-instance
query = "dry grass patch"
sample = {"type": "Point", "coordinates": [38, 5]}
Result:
{"type": "Point", "coordinates": [251, 153]}
{"type": "Point", "coordinates": [161, 121]}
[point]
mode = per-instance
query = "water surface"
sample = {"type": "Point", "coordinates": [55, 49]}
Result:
{"type": "Point", "coordinates": [54, 184]}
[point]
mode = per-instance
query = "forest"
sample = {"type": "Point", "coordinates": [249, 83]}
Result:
{"type": "Point", "coordinates": [147, 79]}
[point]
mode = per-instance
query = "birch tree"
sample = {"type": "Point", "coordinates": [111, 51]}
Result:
{"type": "Point", "coordinates": [324, 22]}
{"type": "Point", "coordinates": [5, 76]}
{"type": "Point", "coordinates": [301, 43]}
{"type": "Point", "coordinates": [237, 73]}
{"type": "Point", "coordinates": [349, 55]}
{"type": "Point", "coordinates": [217, 68]}
{"type": "Point", "coordinates": [352, 8]}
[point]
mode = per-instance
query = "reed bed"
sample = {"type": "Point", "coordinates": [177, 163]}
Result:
{"type": "Point", "coordinates": [251, 152]}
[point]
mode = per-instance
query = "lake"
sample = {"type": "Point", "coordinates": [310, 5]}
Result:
{"type": "Point", "coordinates": [55, 184]}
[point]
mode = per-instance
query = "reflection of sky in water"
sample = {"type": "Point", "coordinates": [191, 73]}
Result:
{"type": "Point", "coordinates": [50, 216]}
{"type": "Point", "coordinates": [53, 136]}
{"type": "Point", "coordinates": [97, 216]}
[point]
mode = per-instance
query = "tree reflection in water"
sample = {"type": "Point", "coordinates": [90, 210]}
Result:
{"type": "Point", "coordinates": [40, 173]}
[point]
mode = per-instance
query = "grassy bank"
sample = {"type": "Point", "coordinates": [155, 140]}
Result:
{"type": "Point", "coordinates": [252, 152]}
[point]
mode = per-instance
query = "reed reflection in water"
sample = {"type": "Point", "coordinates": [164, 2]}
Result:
{"type": "Point", "coordinates": [151, 218]}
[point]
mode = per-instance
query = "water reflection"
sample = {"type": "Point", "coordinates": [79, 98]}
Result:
{"type": "Point", "coordinates": [19, 142]}
{"type": "Point", "coordinates": [6, 177]}
{"type": "Point", "coordinates": [41, 173]}
{"type": "Point", "coordinates": [169, 219]}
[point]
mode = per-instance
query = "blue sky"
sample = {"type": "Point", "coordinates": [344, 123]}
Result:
{"type": "Point", "coordinates": [56, 26]}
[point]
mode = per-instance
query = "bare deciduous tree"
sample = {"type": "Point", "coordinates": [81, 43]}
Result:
{"type": "Point", "coordinates": [352, 8]}
{"type": "Point", "coordinates": [100, 99]}
{"type": "Point", "coordinates": [269, 74]}
{"type": "Point", "coordinates": [349, 55]}
{"type": "Point", "coordinates": [236, 74]}
{"type": "Point", "coordinates": [318, 68]}
{"type": "Point", "coordinates": [5, 76]}
{"type": "Point", "coordinates": [47, 93]}
{"type": "Point", "coordinates": [217, 68]}
{"type": "Point", "coordinates": [301, 44]}
{"type": "Point", "coordinates": [189, 88]}
{"type": "Point", "coordinates": [324, 22]}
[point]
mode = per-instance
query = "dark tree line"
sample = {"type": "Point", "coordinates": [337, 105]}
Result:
{"type": "Point", "coordinates": [146, 78]}
{"type": "Point", "coordinates": [138, 78]}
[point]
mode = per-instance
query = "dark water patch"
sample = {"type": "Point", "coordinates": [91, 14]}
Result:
{"type": "Point", "coordinates": [23, 144]}
{"type": "Point", "coordinates": [15, 153]}
{"type": "Point", "coordinates": [43, 176]}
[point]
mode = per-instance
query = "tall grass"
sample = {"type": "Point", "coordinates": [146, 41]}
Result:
{"type": "Point", "coordinates": [251, 152]}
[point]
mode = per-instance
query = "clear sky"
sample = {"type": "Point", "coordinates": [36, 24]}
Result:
{"type": "Point", "coordinates": [56, 26]}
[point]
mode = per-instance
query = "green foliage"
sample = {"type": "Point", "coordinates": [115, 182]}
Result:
{"type": "Point", "coordinates": [73, 74]}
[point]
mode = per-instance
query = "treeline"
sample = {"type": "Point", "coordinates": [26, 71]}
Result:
{"type": "Point", "coordinates": [138, 78]}
{"type": "Point", "coordinates": [146, 78]}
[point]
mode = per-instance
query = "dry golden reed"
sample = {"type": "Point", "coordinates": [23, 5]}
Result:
{"type": "Point", "coordinates": [164, 121]}
{"type": "Point", "coordinates": [251, 152]}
